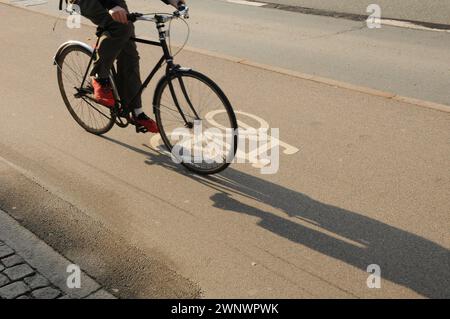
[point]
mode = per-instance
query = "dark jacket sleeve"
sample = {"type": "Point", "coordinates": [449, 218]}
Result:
{"type": "Point", "coordinates": [108, 4]}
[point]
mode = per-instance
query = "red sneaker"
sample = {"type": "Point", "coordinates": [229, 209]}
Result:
{"type": "Point", "coordinates": [143, 121]}
{"type": "Point", "coordinates": [103, 93]}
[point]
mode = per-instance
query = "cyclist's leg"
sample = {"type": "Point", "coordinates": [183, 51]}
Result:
{"type": "Point", "coordinates": [128, 74]}
{"type": "Point", "coordinates": [111, 42]}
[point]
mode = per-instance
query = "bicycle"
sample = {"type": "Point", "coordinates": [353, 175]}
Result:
{"type": "Point", "coordinates": [173, 99]}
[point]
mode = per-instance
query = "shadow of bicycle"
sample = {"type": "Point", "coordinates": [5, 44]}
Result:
{"type": "Point", "coordinates": [406, 259]}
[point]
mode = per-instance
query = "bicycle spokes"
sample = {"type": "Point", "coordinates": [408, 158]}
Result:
{"type": "Point", "coordinates": [205, 145]}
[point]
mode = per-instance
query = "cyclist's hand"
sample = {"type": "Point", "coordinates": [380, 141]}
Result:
{"type": "Point", "coordinates": [119, 14]}
{"type": "Point", "coordinates": [176, 3]}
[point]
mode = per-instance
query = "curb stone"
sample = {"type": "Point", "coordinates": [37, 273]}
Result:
{"type": "Point", "coordinates": [30, 269]}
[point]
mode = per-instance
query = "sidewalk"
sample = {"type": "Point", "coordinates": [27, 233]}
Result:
{"type": "Point", "coordinates": [30, 269]}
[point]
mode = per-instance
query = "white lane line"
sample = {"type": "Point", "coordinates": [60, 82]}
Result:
{"type": "Point", "coordinates": [248, 3]}
{"type": "Point", "coordinates": [388, 22]}
{"type": "Point", "coordinates": [28, 3]}
{"type": "Point", "coordinates": [35, 3]}
{"type": "Point", "coordinates": [409, 25]}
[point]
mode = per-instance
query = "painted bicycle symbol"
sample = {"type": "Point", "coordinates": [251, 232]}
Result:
{"type": "Point", "coordinates": [255, 143]}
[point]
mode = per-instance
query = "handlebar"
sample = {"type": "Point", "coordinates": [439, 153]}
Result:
{"type": "Point", "coordinates": [132, 17]}
{"type": "Point", "coordinates": [182, 12]}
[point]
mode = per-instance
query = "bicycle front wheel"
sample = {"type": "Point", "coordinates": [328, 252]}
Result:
{"type": "Point", "coordinates": [196, 122]}
{"type": "Point", "coordinates": [72, 65]}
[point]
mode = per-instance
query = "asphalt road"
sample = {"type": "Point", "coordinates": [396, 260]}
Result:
{"type": "Point", "coordinates": [407, 62]}
{"type": "Point", "coordinates": [434, 11]}
{"type": "Point", "coordinates": [369, 185]}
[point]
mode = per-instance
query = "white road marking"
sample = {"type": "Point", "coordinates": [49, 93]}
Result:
{"type": "Point", "coordinates": [242, 155]}
{"type": "Point", "coordinates": [28, 3]}
{"type": "Point", "coordinates": [388, 22]}
{"type": "Point", "coordinates": [248, 3]}
{"type": "Point", "coordinates": [409, 25]}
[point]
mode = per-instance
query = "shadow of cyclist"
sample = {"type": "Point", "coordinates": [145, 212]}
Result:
{"type": "Point", "coordinates": [406, 259]}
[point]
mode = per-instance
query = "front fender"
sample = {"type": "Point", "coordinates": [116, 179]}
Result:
{"type": "Point", "coordinates": [69, 43]}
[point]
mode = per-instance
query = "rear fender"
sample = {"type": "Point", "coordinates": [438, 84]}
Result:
{"type": "Point", "coordinates": [67, 44]}
{"type": "Point", "coordinates": [83, 45]}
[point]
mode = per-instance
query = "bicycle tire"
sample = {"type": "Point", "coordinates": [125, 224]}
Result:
{"type": "Point", "coordinates": [107, 115]}
{"type": "Point", "coordinates": [164, 84]}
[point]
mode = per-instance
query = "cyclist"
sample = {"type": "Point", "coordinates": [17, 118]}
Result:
{"type": "Point", "coordinates": [115, 44]}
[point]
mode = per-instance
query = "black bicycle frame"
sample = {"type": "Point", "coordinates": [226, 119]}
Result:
{"type": "Point", "coordinates": [168, 58]}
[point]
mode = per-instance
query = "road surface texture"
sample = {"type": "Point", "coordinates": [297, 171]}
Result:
{"type": "Point", "coordinates": [369, 185]}
{"type": "Point", "coordinates": [407, 62]}
{"type": "Point", "coordinates": [433, 11]}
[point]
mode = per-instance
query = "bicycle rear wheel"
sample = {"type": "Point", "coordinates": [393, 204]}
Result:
{"type": "Point", "coordinates": [203, 136]}
{"type": "Point", "coordinates": [93, 117]}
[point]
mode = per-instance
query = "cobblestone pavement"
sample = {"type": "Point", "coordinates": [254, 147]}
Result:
{"type": "Point", "coordinates": [18, 280]}
{"type": "Point", "coordinates": [30, 269]}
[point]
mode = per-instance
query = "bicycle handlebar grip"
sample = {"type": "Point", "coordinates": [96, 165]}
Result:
{"type": "Point", "coordinates": [132, 17]}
